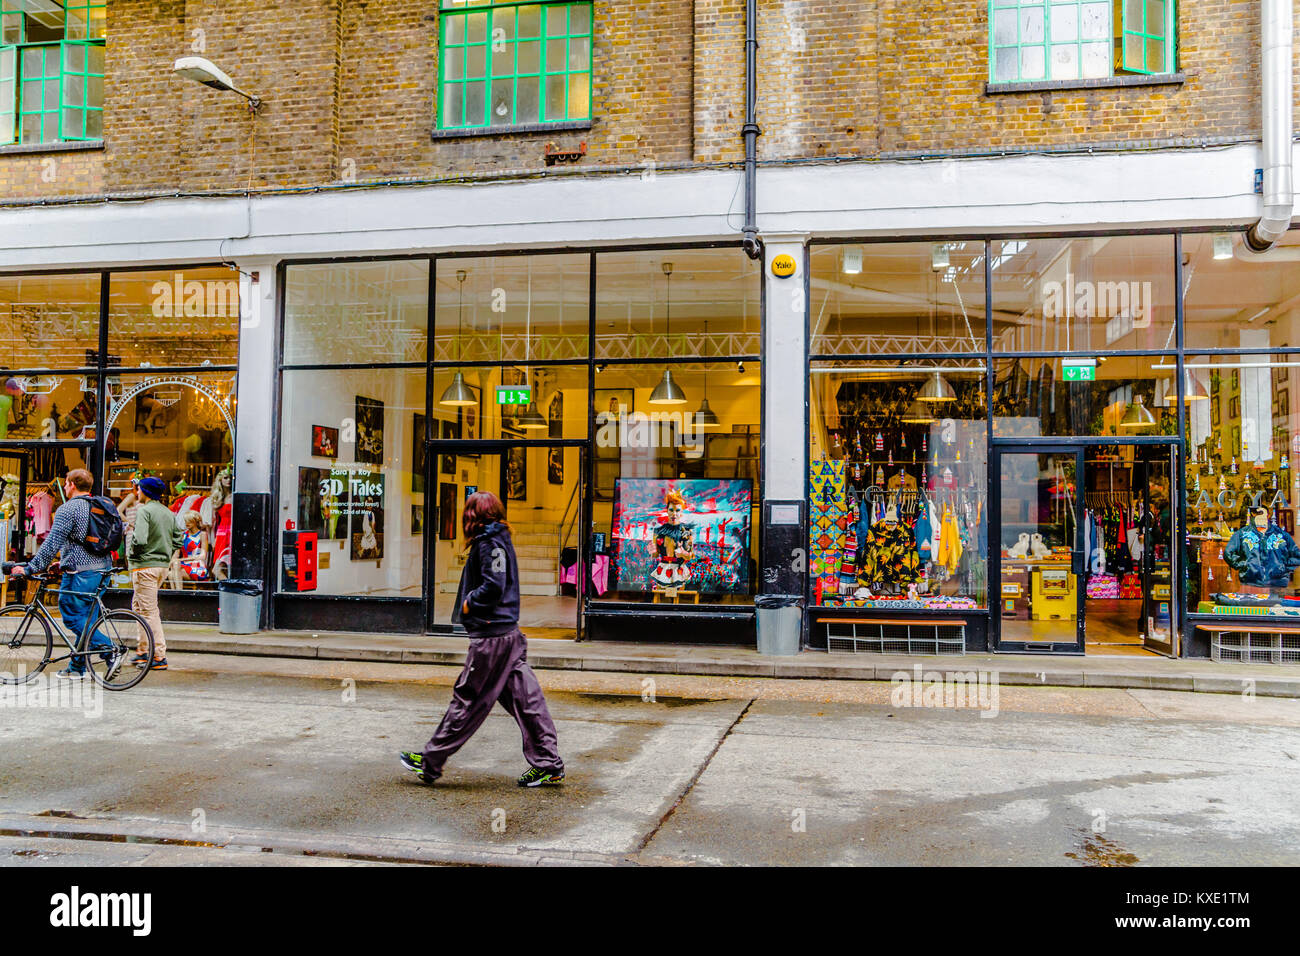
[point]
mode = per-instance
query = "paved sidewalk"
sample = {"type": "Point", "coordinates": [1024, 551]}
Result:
{"type": "Point", "coordinates": [1153, 673]}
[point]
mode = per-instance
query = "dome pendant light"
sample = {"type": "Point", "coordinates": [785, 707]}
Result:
{"type": "Point", "coordinates": [706, 417]}
{"type": "Point", "coordinates": [532, 418]}
{"type": "Point", "coordinates": [936, 389]}
{"type": "Point", "coordinates": [1137, 415]}
{"type": "Point", "coordinates": [917, 414]}
{"type": "Point", "coordinates": [667, 392]}
{"type": "Point", "coordinates": [458, 393]}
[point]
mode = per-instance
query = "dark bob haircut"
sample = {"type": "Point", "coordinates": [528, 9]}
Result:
{"type": "Point", "coordinates": [481, 509]}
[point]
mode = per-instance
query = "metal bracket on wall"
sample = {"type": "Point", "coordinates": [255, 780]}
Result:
{"type": "Point", "coordinates": [556, 155]}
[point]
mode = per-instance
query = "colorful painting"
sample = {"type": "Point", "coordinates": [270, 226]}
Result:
{"type": "Point", "coordinates": [324, 441]}
{"type": "Point", "coordinates": [689, 535]}
{"type": "Point", "coordinates": [323, 502]}
{"type": "Point", "coordinates": [370, 431]}
{"type": "Point", "coordinates": [417, 455]}
{"type": "Point", "coordinates": [448, 511]}
{"type": "Point", "coordinates": [367, 513]}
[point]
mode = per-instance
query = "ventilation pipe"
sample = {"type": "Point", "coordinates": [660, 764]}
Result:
{"type": "Point", "coordinates": [752, 245]}
{"type": "Point", "coordinates": [1275, 67]}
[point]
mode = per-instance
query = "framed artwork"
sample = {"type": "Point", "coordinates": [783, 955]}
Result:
{"type": "Point", "coordinates": [1236, 441]}
{"type": "Point", "coordinates": [1236, 380]}
{"type": "Point", "coordinates": [610, 405]}
{"type": "Point", "coordinates": [469, 418]}
{"type": "Point", "coordinates": [448, 511]}
{"type": "Point", "coordinates": [324, 502]}
{"type": "Point", "coordinates": [614, 401]}
{"type": "Point", "coordinates": [555, 415]}
{"type": "Point", "coordinates": [555, 466]}
{"type": "Point", "coordinates": [1283, 403]}
{"type": "Point", "coordinates": [516, 465]}
{"type": "Point", "coordinates": [1279, 374]}
{"type": "Point", "coordinates": [682, 533]}
{"type": "Point", "coordinates": [370, 431]}
{"type": "Point", "coordinates": [1214, 413]}
{"type": "Point", "coordinates": [448, 431]}
{"type": "Point", "coordinates": [1234, 407]}
{"type": "Point", "coordinates": [324, 441]}
{"type": "Point", "coordinates": [417, 519]}
{"type": "Point", "coordinates": [367, 511]}
{"type": "Point", "coordinates": [417, 454]}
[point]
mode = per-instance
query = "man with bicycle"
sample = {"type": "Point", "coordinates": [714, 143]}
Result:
{"type": "Point", "coordinates": [83, 571]}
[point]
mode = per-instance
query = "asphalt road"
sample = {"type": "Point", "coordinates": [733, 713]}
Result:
{"type": "Point", "coordinates": [278, 763]}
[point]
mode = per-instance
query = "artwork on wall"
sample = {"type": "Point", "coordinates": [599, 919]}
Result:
{"type": "Point", "coordinates": [367, 515]}
{"type": "Point", "coordinates": [417, 520]}
{"type": "Point", "coordinates": [516, 464]}
{"type": "Point", "coordinates": [323, 500]}
{"type": "Point", "coordinates": [370, 431]}
{"type": "Point", "coordinates": [417, 454]}
{"type": "Point", "coordinates": [449, 431]}
{"type": "Point", "coordinates": [448, 511]}
{"type": "Point", "coordinates": [614, 401]}
{"type": "Point", "coordinates": [469, 418]}
{"type": "Point", "coordinates": [610, 405]}
{"type": "Point", "coordinates": [324, 441]}
{"type": "Point", "coordinates": [690, 534]}
{"type": "Point", "coordinates": [555, 465]}
{"type": "Point", "coordinates": [555, 415]}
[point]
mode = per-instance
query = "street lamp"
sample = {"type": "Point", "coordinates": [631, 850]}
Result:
{"type": "Point", "coordinates": [203, 71]}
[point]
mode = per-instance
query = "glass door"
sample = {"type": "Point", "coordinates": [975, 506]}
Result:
{"type": "Point", "coordinates": [1155, 539]}
{"type": "Point", "coordinates": [1041, 569]}
{"type": "Point", "coordinates": [541, 489]}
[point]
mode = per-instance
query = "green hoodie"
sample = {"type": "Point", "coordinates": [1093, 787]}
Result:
{"type": "Point", "coordinates": [154, 538]}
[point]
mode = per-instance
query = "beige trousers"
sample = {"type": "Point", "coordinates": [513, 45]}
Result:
{"type": "Point", "coordinates": [144, 602]}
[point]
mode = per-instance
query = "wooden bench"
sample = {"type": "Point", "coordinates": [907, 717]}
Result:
{"type": "Point", "coordinates": [907, 643]}
{"type": "Point", "coordinates": [1260, 642]}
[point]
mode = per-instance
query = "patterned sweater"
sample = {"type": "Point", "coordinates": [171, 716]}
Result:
{"type": "Point", "coordinates": [67, 534]}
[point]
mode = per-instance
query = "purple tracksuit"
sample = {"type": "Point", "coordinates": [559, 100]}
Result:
{"type": "Point", "coordinates": [496, 667]}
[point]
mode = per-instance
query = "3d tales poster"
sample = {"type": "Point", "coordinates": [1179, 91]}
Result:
{"type": "Point", "coordinates": [682, 534]}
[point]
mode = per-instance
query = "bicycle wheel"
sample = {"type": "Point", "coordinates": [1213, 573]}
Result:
{"type": "Point", "coordinates": [26, 644]}
{"type": "Point", "coordinates": [123, 630]}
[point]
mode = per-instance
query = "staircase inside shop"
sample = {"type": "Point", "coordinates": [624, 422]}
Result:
{"type": "Point", "coordinates": [536, 534]}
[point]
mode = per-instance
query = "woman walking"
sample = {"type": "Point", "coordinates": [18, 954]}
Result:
{"type": "Point", "coordinates": [496, 668]}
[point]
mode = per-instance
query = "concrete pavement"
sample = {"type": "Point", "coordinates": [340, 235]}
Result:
{"type": "Point", "coordinates": [294, 760]}
{"type": "Point", "coordinates": [1149, 672]}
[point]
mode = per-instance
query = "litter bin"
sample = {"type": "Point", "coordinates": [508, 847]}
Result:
{"type": "Point", "coordinates": [780, 623]}
{"type": "Point", "coordinates": [239, 606]}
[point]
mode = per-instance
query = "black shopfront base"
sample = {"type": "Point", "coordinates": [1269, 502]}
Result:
{"type": "Point", "coordinates": [656, 624]}
{"type": "Point", "coordinates": [175, 607]}
{"type": "Point", "coordinates": [298, 612]}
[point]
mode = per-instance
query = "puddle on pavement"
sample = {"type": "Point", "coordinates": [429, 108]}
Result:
{"type": "Point", "coordinates": [1093, 849]}
{"type": "Point", "coordinates": [636, 699]}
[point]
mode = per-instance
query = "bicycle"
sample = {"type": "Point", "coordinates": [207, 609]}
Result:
{"type": "Point", "coordinates": [27, 637]}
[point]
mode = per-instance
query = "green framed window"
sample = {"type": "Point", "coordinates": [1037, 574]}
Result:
{"type": "Point", "coordinates": [1032, 40]}
{"type": "Point", "coordinates": [513, 64]}
{"type": "Point", "coordinates": [51, 71]}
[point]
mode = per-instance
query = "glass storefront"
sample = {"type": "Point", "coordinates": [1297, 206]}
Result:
{"type": "Point", "coordinates": [1095, 432]}
{"type": "Point", "coordinates": [622, 433]}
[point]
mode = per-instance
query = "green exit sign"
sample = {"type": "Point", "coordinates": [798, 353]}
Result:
{"type": "Point", "coordinates": [514, 396]}
{"type": "Point", "coordinates": [1080, 373]}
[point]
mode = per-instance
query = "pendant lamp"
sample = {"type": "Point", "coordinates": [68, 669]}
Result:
{"type": "Point", "coordinates": [917, 414]}
{"type": "Point", "coordinates": [531, 418]}
{"type": "Point", "coordinates": [1137, 415]}
{"type": "Point", "coordinates": [706, 417]}
{"type": "Point", "coordinates": [667, 392]}
{"type": "Point", "coordinates": [458, 393]}
{"type": "Point", "coordinates": [936, 389]}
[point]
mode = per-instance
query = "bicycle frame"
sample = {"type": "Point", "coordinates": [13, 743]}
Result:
{"type": "Point", "coordinates": [36, 607]}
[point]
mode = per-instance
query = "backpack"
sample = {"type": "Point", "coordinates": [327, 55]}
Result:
{"type": "Point", "coordinates": [104, 527]}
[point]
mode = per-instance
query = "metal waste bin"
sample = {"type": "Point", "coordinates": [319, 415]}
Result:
{"type": "Point", "coordinates": [239, 606]}
{"type": "Point", "coordinates": [780, 623]}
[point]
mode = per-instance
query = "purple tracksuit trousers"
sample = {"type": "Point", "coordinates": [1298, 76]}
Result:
{"type": "Point", "coordinates": [496, 669]}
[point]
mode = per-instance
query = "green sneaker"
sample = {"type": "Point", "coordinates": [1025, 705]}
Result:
{"type": "Point", "coordinates": [540, 778]}
{"type": "Point", "coordinates": [415, 763]}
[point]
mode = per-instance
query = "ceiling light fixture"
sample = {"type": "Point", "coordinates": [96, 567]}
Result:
{"type": "Point", "coordinates": [667, 392]}
{"type": "Point", "coordinates": [458, 393]}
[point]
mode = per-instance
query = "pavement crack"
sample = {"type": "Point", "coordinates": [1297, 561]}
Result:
{"type": "Point", "coordinates": [695, 777]}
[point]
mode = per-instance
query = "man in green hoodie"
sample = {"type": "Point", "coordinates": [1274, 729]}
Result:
{"type": "Point", "coordinates": [149, 548]}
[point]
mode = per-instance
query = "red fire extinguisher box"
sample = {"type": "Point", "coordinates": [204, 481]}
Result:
{"type": "Point", "coordinates": [299, 561]}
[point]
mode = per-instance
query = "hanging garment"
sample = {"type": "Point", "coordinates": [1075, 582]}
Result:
{"type": "Point", "coordinates": [922, 533]}
{"type": "Point", "coordinates": [889, 555]}
{"type": "Point", "coordinates": [950, 549]}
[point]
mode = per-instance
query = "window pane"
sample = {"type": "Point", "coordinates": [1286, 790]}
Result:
{"type": "Point", "coordinates": [555, 55]}
{"type": "Point", "coordinates": [1006, 65]}
{"type": "Point", "coordinates": [1096, 21]}
{"type": "Point", "coordinates": [455, 30]}
{"type": "Point", "coordinates": [1243, 435]}
{"type": "Point", "coordinates": [896, 454]}
{"type": "Point", "coordinates": [579, 96]}
{"type": "Point", "coordinates": [74, 57]}
{"type": "Point", "coordinates": [709, 307]}
{"type": "Point", "coordinates": [579, 53]}
{"type": "Point", "coordinates": [1096, 60]}
{"type": "Point", "coordinates": [183, 317]}
{"type": "Point", "coordinates": [95, 124]}
{"type": "Point", "coordinates": [557, 398]}
{"type": "Point", "coordinates": [475, 103]}
{"type": "Point", "coordinates": [512, 308]}
{"type": "Point", "coordinates": [503, 94]}
{"type": "Point", "coordinates": [913, 298]}
{"type": "Point", "coordinates": [580, 18]}
{"type": "Point", "coordinates": [48, 321]}
{"type": "Point", "coordinates": [453, 64]}
{"type": "Point", "coordinates": [356, 312]}
{"type": "Point", "coordinates": [476, 27]}
{"type": "Point", "coordinates": [1031, 25]}
{"type": "Point", "coordinates": [452, 115]}
{"type": "Point", "coordinates": [352, 450]}
{"type": "Point", "coordinates": [1123, 397]}
{"type": "Point", "coordinates": [555, 96]}
{"type": "Point", "coordinates": [74, 90]}
{"type": "Point", "coordinates": [1065, 62]}
{"type": "Point", "coordinates": [675, 495]}
{"type": "Point", "coordinates": [179, 428]}
{"type": "Point", "coordinates": [1065, 23]}
{"type": "Point", "coordinates": [557, 23]}
{"type": "Point", "coordinates": [476, 62]}
{"type": "Point", "coordinates": [1031, 63]}
{"type": "Point", "coordinates": [530, 21]}
{"type": "Point", "coordinates": [529, 107]}
{"type": "Point", "coordinates": [1089, 294]}
{"type": "Point", "coordinates": [1240, 301]}
{"type": "Point", "coordinates": [74, 124]}
{"type": "Point", "coordinates": [530, 57]}
{"type": "Point", "coordinates": [1155, 61]}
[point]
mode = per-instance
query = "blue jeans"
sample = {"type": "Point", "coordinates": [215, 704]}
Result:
{"type": "Point", "coordinates": [76, 602]}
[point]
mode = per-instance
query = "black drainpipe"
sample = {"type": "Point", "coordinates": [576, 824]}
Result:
{"type": "Point", "coordinates": [752, 244]}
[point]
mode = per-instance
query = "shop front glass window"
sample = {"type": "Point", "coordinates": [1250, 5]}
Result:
{"type": "Point", "coordinates": [1243, 444]}
{"type": "Point", "coordinates": [1124, 396]}
{"type": "Point", "coordinates": [511, 402]}
{"type": "Point", "coordinates": [351, 313]}
{"type": "Point", "coordinates": [900, 298]}
{"type": "Point", "coordinates": [675, 509]}
{"type": "Point", "coordinates": [1237, 299]}
{"type": "Point", "coordinates": [1092, 294]}
{"type": "Point", "coordinates": [898, 481]}
{"type": "Point", "coordinates": [180, 428]}
{"type": "Point", "coordinates": [677, 303]}
{"type": "Point", "coordinates": [352, 452]}
{"type": "Point", "coordinates": [174, 318]}
{"type": "Point", "coordinates": [48, 321]}
{"type": "Point", "coordinates": [512, 309]}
